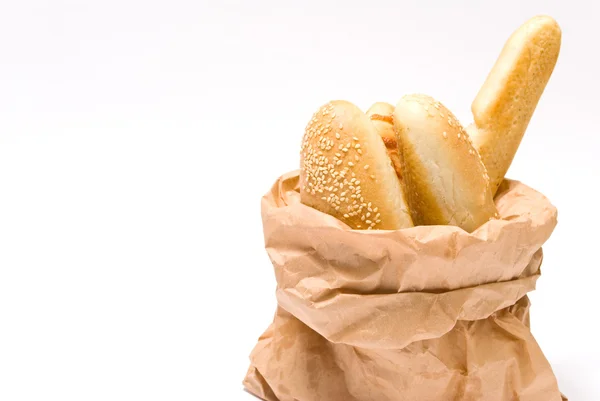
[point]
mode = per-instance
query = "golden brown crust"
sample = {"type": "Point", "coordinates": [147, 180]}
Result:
{"type": "Point", "coordinates": [378, 117]}
{"type": "Point", "coordinates": [505, 103]}
{"type": "Point", "coordinates": [445, 180]}
{"type": "Point", "coordinates": [382, 116]}
{"type": "Point", "coordinates": [345, 170]}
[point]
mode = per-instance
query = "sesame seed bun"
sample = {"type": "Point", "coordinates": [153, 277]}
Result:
{"type": "Point", "coordinates": [382, 116]}
{"type": "Point", "coordinates": [505, 103]}
{"type": "Point", "coordinates": [445, 180]}
{"type": "Point", "coordinates": [345, 170]}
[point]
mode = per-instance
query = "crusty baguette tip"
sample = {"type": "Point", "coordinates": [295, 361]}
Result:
{"type": "Point", "coordinates": [505, 103]}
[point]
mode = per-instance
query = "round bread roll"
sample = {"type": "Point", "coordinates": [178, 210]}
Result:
{"type": "Point", "coordinates": [505, 103]}
{"type": "Point", "coordinates": [345, 170]}
{"type": "Point", "coordinates": [445, 180]}
{"type": "Point", "coordinates": [382, 116]}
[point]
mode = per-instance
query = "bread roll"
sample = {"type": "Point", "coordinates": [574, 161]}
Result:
{"type": "Point", "coordinates": [506, 101]}
{"type": "Point", "coordinates": [446, 183]}
{"type": "Point", "coordinates": [345, 170]}
{"type": "Point", "coordinates": [382, 116]}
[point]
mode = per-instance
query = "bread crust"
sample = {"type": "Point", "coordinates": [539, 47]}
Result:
{"type": "Point", "coordinates": [345, 170]}
{"type": "Point", "coordinates": [382, 116]}
{"type": "Point", "coordinates": [505, 103]}
{"type": "Point", "coordinates": [445, 180]}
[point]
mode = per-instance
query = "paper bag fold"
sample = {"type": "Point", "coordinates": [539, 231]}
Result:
{"type": "Point", "coordinates": [426, 313]}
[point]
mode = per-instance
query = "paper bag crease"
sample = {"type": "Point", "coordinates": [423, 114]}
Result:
{"type": "Point", "coordinates": [426, 313]}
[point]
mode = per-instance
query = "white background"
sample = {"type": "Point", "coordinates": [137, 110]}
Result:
{"type": "Point", "coordinates": [137, 137]}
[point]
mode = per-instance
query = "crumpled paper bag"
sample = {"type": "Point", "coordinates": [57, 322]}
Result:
{"type": "Point", "coordinates": [429, 313]}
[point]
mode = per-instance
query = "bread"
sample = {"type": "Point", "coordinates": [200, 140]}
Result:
{"type": "Point", "coordinates": [505, 103]}
{"type": "Point", "coordinates": [382, 116]}
{"type": "Point", "coordinates": [445, 180]}
{"type": "Point", "coordinates": [345, 170]}
{"type": "Point", "coordinates": [414, 164]}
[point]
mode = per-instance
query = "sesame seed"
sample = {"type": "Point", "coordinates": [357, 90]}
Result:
{"type": "Point", "coordinates": [357, 145]}
{"type": "Point", "coordinates": [346, 215]}
{"type": "Point", "coordinates": [344, 149]}
{"type": "Point", "coordinates": [366, 166]}
{"type": "Point", "coordinates": [350, 164]}
{"type": "Point", "coordinates": [377, 221]}
{"type": "Point", "coordinates": [368, 214]}
{"type": "Point", "coordinates": [368, 221]}
{"type": "Point", "coordinates": [355, 138]}
{"type": "Point", "coordinates": [356, 158]}
{"type": "Point", "coordinates": [337, 135]}
{"type": "Point", "coordinates": [459, 135]}
{"type": "Point", "coordinates": [359, 151]}
{"type": "Point", "coordinates": [445, 134]}
{"type": "Point", "coordinates": [338, 162]}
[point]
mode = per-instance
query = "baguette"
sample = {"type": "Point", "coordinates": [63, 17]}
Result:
{"type": "Point", "coordinates": [505, 103]}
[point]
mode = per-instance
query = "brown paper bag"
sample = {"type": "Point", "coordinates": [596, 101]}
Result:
{"type": "Point", "coordinates": [430, 313]}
